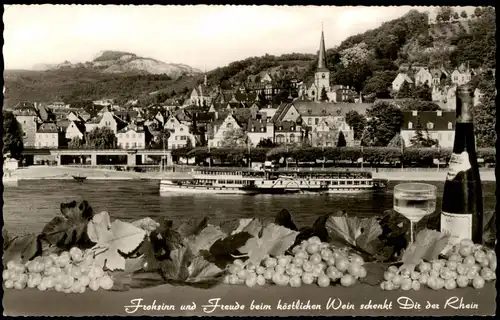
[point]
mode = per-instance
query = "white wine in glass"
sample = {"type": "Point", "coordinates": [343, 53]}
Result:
{"type": "Point", "coordinates": [414, 201]}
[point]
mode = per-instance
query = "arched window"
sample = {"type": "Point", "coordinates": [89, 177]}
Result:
{"type": "Point", "coordinates": [450, 125]}
{"type": "Point", "coordinates": [229, 125]}
{"type": "Point", "coordinates": [410, 125]}
{"type": "Point", "coordinates": [292, 138]}
{"type": "Point", "coordinates": [430, 125]}
{"type": "Point", "coordinates": [280, 138]}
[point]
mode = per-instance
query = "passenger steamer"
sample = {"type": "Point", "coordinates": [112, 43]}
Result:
{"type": "Point", "coordinates": [247, 181]}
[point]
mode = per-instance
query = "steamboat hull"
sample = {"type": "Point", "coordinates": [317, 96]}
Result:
{"type": "Point", "coordinates": [167, 188]}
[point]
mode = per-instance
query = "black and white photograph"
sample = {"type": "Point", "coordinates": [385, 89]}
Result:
{"type": "Point", "coordinates": [237, 160]}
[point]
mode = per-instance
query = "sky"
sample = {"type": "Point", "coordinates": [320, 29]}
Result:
{"type": "Point", "coordinates": [204, 37]}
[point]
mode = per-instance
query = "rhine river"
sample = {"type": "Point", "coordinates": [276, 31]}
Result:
{"type": "Point", "coordinates": [30, 205]}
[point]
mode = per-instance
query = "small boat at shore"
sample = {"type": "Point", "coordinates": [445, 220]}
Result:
{"type": "Point", "coordinates": [79, 178]}
{"type": "Point", "coordinates": [247, 181]}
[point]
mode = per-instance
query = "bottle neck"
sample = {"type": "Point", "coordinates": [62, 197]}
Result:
{"type": "Point", "coordinates": [464, 138]}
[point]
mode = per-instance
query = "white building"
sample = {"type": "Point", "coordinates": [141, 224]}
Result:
{"type": "Point", "coordinates": [131, 137]}
{"type": "Point", "coordinates": [440, 125]}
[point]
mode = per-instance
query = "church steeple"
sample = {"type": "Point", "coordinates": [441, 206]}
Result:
{"type": "Point", "coordinates": [322, 52]}
{"type": "Point", "coordinates": [205, 80]}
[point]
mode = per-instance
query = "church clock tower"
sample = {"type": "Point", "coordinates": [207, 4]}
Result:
{"type": "Point", "coordinates": [322, 76]}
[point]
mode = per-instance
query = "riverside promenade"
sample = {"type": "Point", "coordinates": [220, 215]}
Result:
{"type": "Point", "coordinates": [63, 172]}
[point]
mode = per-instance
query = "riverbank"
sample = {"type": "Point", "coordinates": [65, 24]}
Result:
{"type": "Point", "coordinates": [63, 173]}
{"type": "Point", "coordinates": [488, 175]}
{"type": "Point", "coordinates": [51, 172]}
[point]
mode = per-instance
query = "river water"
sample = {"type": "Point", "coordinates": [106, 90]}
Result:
{"type": "Point", "coordinates": [28, 207]}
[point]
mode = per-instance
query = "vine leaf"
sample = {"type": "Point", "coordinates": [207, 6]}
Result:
{"type": "Point", "coordinates": [113, 240]}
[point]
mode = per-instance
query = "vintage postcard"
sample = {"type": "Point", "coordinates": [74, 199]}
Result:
{"type": "Point", "coordinates": [249, 160]}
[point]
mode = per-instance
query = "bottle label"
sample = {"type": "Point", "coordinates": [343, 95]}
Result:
{"type": "Point", "coordinates": [457, 226]}
{"type": "Point", "coordinates": [459, 162]}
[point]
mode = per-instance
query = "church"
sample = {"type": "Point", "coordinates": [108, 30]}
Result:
{"type": "Point", "coordinates": [321, 78]}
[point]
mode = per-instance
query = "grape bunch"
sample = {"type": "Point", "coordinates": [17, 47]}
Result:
{"type": "Point", "coordinates": [70, 272]}
{"type": "Point", "coordinates": [312, 262]}
{"type": "Point", "coordinates": [466, 264]}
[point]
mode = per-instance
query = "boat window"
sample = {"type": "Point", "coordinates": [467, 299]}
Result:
{"type": "Point", "coordinates": [342, 182]}
{"type": "Point", "coordinates": [262, 182]}
{"type": "Point", "coordinates": [301, 182]}
{"type": "Point", "coordinates": [281, 182]}
{"type": "Point", "coordinates": [356, 183]}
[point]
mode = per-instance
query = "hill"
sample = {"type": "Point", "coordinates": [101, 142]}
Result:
{"type": "Point", "coordinates": [367, 61]}
{"type": "Point", "coordinates": [73, 84]}
{"type": "Point", "coordinates": [125, 62]}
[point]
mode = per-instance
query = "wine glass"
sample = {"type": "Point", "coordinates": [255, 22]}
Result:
{"type": "Point", "coordinates": [414, 201]}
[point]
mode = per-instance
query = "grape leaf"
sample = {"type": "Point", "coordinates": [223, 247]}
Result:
{"type": "Point", "coordinates": [159, 244]}
{"type": "Point", "coordinates": [112, 240]}
{"type": "Point", "coordinates": [427, 246]}
{"type": "Point", "coordinates": [284, 218]}
{"type": "Point", "coordinates": [254, 227]}
{"type": "Point", "coordinates": [374, 273]}
{"type": "Point", "coordinates": [242, 223]}
{"type": "Point", "coordinates": [204, 239]}
{"type": "Point", "coordinates": [202, 271]}
{"type": "Point", "coordinates": [70, 229]}
{"type": "Point", "coordinates": [274, 241]}
{"type": "Point", "coordinates": [147, 224]}
{"type": "Point", "coordinates": [176, 268]}
{"type": "Point", "coordinates": [394, 237]}
{"type": "Point", "coordinates": [192, 227]}
{"type": "Point", "coordinates": [229, 226]}
{"type": "Point", "coordinates": [22, 249]}
{"type": "Point", "coordinates": [98, 226]}
{"type": "Point", "coordinates": [221, 251]}
{"type": "Point", "coordinates": [360, 235]}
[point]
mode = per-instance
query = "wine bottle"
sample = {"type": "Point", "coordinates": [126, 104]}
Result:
{"type": "Point", "coordinates": [462, 208]}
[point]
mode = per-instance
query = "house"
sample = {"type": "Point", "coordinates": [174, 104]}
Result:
{"type": "Point", "coordinates": [342, 94]}
{"type": "Point", "coordinates": [313, 113]}
{"type": "Point", "coordinates": [439, 76]}
{"type": "Point", "coordinates": [400, 79]}
{"type": "Point", "coordinates": [107, 119]}
{"type": "Point", "coordinates": [131, 136]}
{"type": "Point", "coordinates": [200, 95]}
{"type": "Point", "coordinates": [47, 136]}
{"type": "Point", "coordinates": [28, 119]}
{"type": "Point", "coordinates": [423, 76]}
{"type": "Point", "coordinates": [461, 75]}
{"type": "Point", "coordinates": [180, 137]}
{"type": "Point", "coordinates": [440, 125]}
{"type": "Point", "coordinates": [74, 129]}
{"type": "Point", "coordinates": [288, 124]}
{"type": "Point", "coordinates": [236, 119]}
{"type": "Point", "coordinates": [73, 116]}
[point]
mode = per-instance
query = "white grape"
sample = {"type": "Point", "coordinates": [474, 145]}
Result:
{"type": "Point", "coordinates": [106, 282]}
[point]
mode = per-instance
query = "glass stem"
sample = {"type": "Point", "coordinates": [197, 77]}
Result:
{"type": "Point", "coordinates": [411, 231]}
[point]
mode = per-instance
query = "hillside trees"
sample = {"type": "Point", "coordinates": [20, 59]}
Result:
{"type": "Point", "coordinates": [419, 140]}
{"type": "Point", "coordinates": [478, 47]}
{"type": "Point", "coordinates": [341, 141]}
{"type": "Point", "coordinates": [324, 96]}
{"type": "Point", "coordinates": [444, 14]}
{"type": "Point", "coordinates": [12, 136]}
{"type": "Point", "coordinates": [357, 123]}
{"type": "Point", "coordinates": [385, 122]}
{"type": "Point", "coordinates": [101, 138]}
{"type": "Point", "coordinates": [234, 138]}
{"type": "Point", "coordinates": [485, 115]}
{"type": "Point", "coordinates": [379, 84]}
